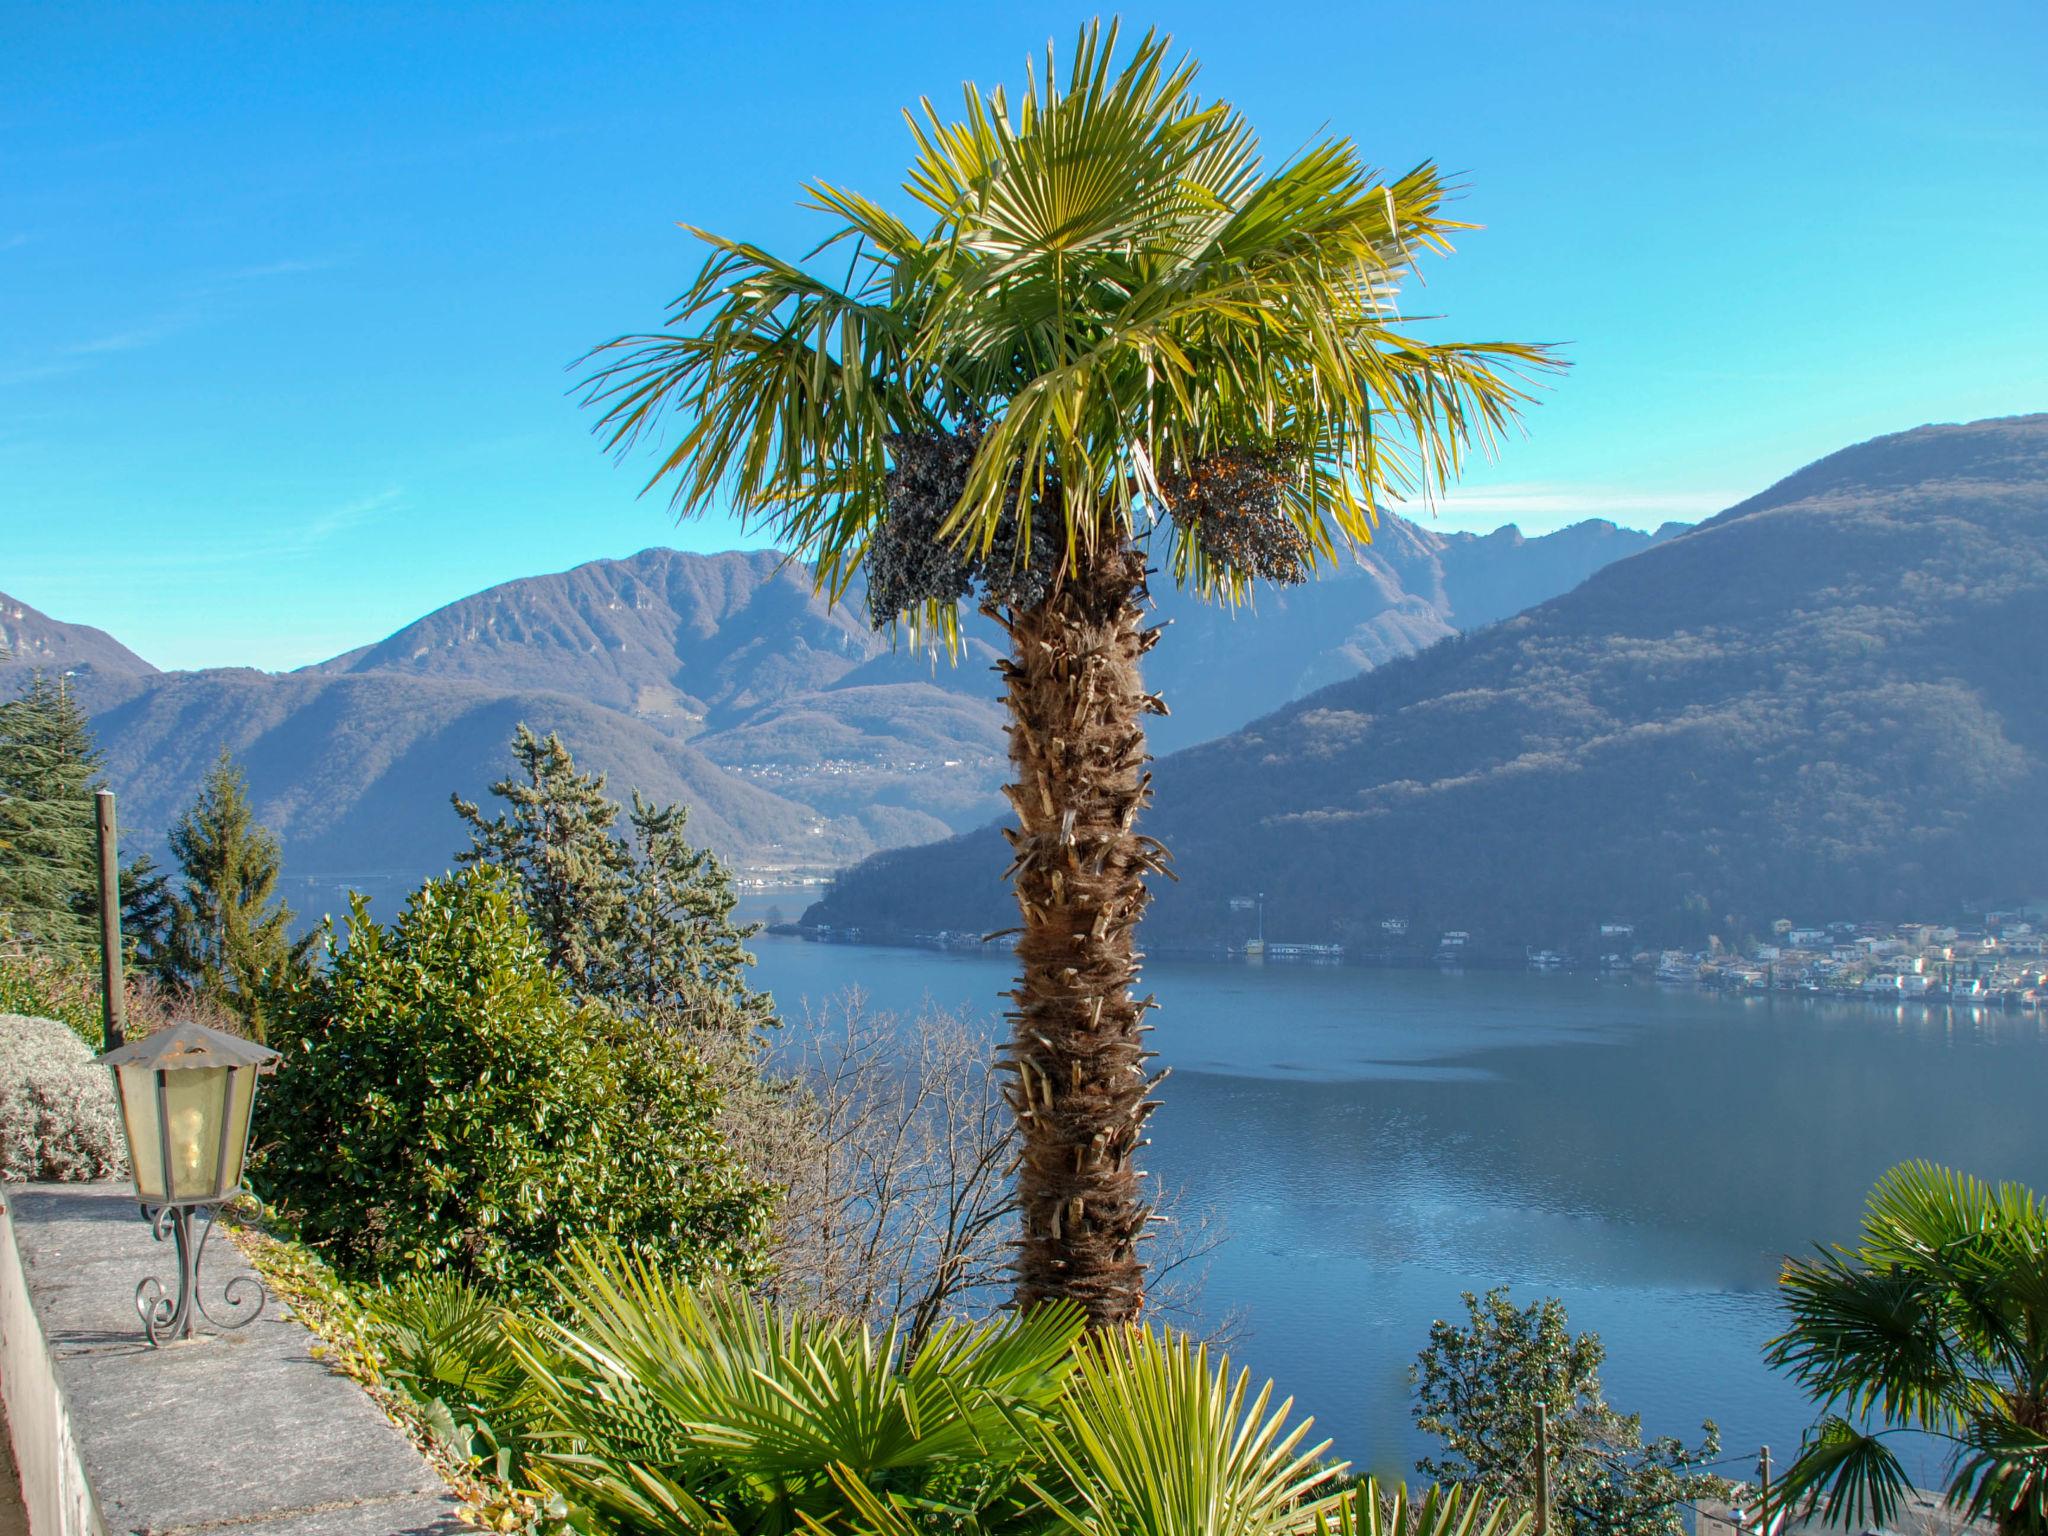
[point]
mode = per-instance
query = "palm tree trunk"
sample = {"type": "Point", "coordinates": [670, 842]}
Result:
{"type": "Point", "coordinates": [1079, 1082]}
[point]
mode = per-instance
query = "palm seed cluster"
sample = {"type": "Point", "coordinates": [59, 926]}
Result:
{"type": "Point", "coordinates": [1229, 504]}
{"type": "Point", "coordinates": [909, 563]}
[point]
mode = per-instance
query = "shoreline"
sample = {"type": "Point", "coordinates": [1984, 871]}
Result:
{"type": "Point", "coordinates": [1334, 957]}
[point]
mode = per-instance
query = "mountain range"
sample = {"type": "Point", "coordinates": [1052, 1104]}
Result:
{"type": "Point", "coordinates": [1825, 702]}
{"type": "Point", "coordinates": [800, 737]}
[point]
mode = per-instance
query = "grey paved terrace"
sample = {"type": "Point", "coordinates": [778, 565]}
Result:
{"type": "Point", "coordinates": [246, 1431]}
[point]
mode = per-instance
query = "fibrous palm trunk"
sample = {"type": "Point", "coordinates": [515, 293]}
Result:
{"type": "Point", "coordinates": [1079, 1083]}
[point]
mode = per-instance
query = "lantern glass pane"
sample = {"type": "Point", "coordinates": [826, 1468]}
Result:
{"type": "Point", "coordinates": [138, 1118]}
{"type": "Point", "coordinates": [195, 1100]}
{"type": "Point", "coordinates": [241, 1100]}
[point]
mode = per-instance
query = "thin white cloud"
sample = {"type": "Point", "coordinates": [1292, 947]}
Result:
{"type": "Point", "coordinates": [30, 373]}
{"type": "Point", "coordinates": [324, 526]}
{"type": "Point", "coordinates": [135, 338]}
{"type": "Point", "coordinates": [294, 535]}
{"type": "Point", "coordinates": [202, 301]}
{"type": "Point", "coordinates": [1548, 500]}
{"type": "Point", "coordinates": [289, 267]}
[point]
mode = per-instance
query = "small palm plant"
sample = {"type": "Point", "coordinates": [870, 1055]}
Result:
{"type": "Point", "coordinates": [1937, 1322]}
{"type": "Point", "coordinates": [1112, 340]}
{"type": "Point", "coordinates": [1152, 1440]}
{"type": "Point", "coordinates": [675, 1408]}
{"type": "Point", "coordinates": [679, 1407]}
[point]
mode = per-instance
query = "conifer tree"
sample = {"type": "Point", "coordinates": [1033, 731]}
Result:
{"type": "Point", "coordinates": [230, 935]}
{"type": "Point", "coordinates": [679, 958]}
{"type": "Point", "coordinates": [556, 841]}
{"type": "Point", "coordinates": [49, 768]}
{"type": "Point", "coordinates": [643, 925]}
{"type": "Point", "coordinates": [145, 912]}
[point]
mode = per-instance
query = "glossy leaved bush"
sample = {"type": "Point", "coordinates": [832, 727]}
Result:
{"type": "Point", "coordinates": [446, 1104]}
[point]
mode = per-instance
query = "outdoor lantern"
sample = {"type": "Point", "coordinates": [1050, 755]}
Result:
{"type": "Point", "coordinates": [187, 1094]}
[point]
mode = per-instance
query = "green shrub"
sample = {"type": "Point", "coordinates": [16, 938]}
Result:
{"type": "Point", "coordinates": [57, 1113]}
{"type": "Point", "coordinates": [42, 987]}
{"type": "Point", "coordinates": [445, 1105]}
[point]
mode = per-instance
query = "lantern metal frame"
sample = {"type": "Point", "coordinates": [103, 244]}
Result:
{"type": "Point", "coordinates": [183, 1047]}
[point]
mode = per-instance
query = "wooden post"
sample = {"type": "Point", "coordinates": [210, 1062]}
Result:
{"type": "Point", "coordinates": [113, 999]}
{"type": "Point", "coordinates": [1763, 1468]}
{"type": "Point", "coordinates": [1542, 1469]}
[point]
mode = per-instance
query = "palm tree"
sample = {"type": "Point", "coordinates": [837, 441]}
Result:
{"type": "Point", "coordinates": [1112, 339]}
{"type": "Point", "coordinates": [1938, 1323]}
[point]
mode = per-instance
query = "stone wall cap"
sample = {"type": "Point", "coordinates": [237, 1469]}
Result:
{"type": "Point", "coordinates": [247, 1431]}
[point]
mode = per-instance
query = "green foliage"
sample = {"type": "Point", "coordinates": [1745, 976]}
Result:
{"type": "Point", "coordinates": [643, 925]}
{"type": "Point", "coordinates": [49, 768]}
{"type": "Point", "coordinates": [1151, 1440]}
{"type": "Point", "coordinates": [1478, 1386]}
{"type": "Point", "coordinates": [49, 847]}
{"type": "Point", "coordinates": [37, 984]}
{"type": "Point", "coordinates": [556, 840]}
{"type": "Point", "coordinates": [678, 958]}
{"type": "Point", "coordinates": [147, 905]}
{"type": "Point", "coordinates": [1107, 291]}
{"type": "Point", "coordinates": [1370, 1510]}
{"type": "Point", "coordinates": [448, 1347]}
{"type": "Point", "coordinates": [229, 940]}
{"type": "Point", "coordinates": [697, 1406]}
{"type": "Point", "coordinates": [447, 1105]}
{"type": "Point", "coordinates": [637, 1402]}
{"type": "Point", "coordinates": [1938, 1322]}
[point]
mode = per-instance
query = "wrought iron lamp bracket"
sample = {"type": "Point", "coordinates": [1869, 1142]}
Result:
{"type": "Point", "coordinates": [173, 1317]}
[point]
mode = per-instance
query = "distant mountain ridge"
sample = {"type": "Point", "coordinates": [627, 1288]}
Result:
{"type": "Point", "coordinates": [662, 633]}
{"type": "Point", "coordinates": [1824, 702]}
{"type": "Point", "coordinates": [1412, 587]}
{"type": "Point", "coordinates": [29, 638]}
{"type": "Point", "coordinates": [800, 738]}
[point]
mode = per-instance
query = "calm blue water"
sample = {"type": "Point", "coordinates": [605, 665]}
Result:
{"type": "Point", "coordinates": [1378, 1141]}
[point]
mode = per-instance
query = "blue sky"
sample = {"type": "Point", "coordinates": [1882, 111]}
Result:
{"type": "Point", "coordinates": [287, 294]}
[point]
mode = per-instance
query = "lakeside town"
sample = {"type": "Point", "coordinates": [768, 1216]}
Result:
{"type": "Point", "coordinates": [2001, 962]}
{"type": "Point", "coordinates": [1997, 961]}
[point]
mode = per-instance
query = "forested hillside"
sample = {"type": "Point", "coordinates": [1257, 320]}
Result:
{"type": "Point", "coordinates": [1824, 702]}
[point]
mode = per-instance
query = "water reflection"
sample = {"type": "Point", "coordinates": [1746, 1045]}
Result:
{"type": "Point", "coordinates": [1379, 1141]}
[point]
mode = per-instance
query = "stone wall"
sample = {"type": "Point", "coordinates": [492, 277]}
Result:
{"type": "Point", "coordinates": [244, 1430]}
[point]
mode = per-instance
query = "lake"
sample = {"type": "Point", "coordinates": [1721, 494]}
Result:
{"type": "Point", "coordinates": [1377, 1141]}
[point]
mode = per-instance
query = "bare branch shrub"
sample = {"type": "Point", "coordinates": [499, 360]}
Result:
{"type": "Point", "coordinates": [893, 1146]}
{"type": "Point", "coordinates": [895, 1149]}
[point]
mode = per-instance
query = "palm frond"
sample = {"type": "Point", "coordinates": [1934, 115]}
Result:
{"type": "Point", "coordinates": [1151, 1440]}
{"type": "Point", "coordinates": [1853, 1478]}
{"type": "Point", "coordinates": [1371, 1510]}
{"type": "Point", "coordinates": [1114, 286]}
{"type": "Point", "coordinates": [729, 1397]}
{"type": "Point", "coordinates": [1871, 1340]}
{"type": "Point", "coordinates": [2003, 1475]}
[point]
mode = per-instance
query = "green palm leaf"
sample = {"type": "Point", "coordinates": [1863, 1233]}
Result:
{"type": "Point", "coordinates": [1150, 1440]}
{"type": "Point", "coordinates": [1113, 282]}
{"type": "Point", "coordinates": [1938, 1321]}
{"type": "Point", "coordinates": [1851, 1477]}
{"type": "Point", "coordinates": [714, 1392]}
{"type": "Point", "coordinates": [2003, 1475]}
{"type": "Point", "coordinates": [1370, 1510]}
